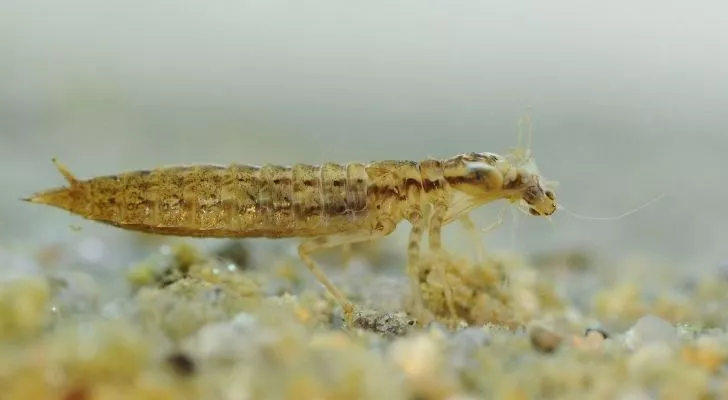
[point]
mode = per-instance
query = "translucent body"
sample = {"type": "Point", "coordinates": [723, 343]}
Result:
{"type": "Point", "coordinates": [326, 205]}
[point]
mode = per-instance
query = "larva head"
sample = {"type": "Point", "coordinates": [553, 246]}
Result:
{"type": "Point", "coordinates": [540, 201]}
{"type": "Point", "coordinates": [479, 178]}
{"type": "Point", "coordinates": [523, 177]}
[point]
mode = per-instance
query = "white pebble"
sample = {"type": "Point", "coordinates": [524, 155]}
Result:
{"type": "Point", "coordinates": [235, 338]}
{"type": "Point", "coordinates": [650, 329]}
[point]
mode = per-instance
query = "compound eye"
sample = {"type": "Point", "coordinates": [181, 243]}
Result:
{"type": "Point", "coordinates": [534, 212]}
{"type": "Point", "coordinates": [550, 195]}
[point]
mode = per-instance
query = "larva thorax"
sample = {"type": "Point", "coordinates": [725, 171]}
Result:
{"type": "Point", "coordinates": [470, 180]}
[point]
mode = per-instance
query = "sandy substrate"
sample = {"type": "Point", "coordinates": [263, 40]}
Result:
{"type": "Point", "coordinates": [213, 323]}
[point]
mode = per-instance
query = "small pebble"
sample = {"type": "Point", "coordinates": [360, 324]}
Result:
{"type": "Point", "coordinates": [465, 343]}
{"type": "Point", "coordinates": [23, 307]}
{"type": "Point", "coordinates": [707, 354]}
{"type": "Point", "coordinates": [650, 329]}
{"type": "Point", "coordinates": [387, 324]}
{"type": "Point", "coordinates": [235, 252]}
{"type": "Point", "coordinates": [649, 356]}
{"type": "Point", "coordinates": [231, 339]}
{"type": "Point", "coordinates": [418, 357]}
{"type": "Point", "coordinates": [593, 339]}
{"type": "Point", "coordinates": [75, 292]}
{"type": "Point", "coordinates": [596, 332]}
{"type": "Point", "coordinates": [544, 340]}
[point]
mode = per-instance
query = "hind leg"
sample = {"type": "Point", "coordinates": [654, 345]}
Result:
{"type": "Point", "coordinates": [310, 246]}
{"type": "Point", "coordinates": [435, 232]}
{"type": "Point", "coordinates": [413, 253]}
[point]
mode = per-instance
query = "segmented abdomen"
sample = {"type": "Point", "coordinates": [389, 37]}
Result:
{"type": "Point", "coordinates": [240, 200]}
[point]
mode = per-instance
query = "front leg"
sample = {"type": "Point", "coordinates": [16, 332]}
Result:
{"type": "Point", "coordinates": [473, 233]}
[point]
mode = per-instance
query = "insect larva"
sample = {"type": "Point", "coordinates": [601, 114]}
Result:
{"type": "Point", "coordinates": [327, 205]}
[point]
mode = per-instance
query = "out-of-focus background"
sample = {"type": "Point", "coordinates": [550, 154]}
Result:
{"type": "Point", "coordinates": [628, 101]}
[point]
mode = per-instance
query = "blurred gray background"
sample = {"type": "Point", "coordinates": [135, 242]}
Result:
{"type": "Point", "coordinates": [628, 100]}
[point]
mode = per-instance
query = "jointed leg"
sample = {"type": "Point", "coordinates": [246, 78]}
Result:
{"type": "Point", "coordinates": [436, 221]}
{"type": "Point", "coordinates": [472, 231]}
{"type": "Point", "coordinates": [309, 246]}
{"type": "Point", "coordinates": [498, 222]}
{"type": "Point", "coordinates": [304, 251]}
{"type": "Point", "coordinates": [470, 227]}
{"type": "Point", "coordinates": [413, 254]}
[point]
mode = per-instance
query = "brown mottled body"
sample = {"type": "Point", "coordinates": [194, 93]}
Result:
{"type": "Point", "coordinates": [327, 205]}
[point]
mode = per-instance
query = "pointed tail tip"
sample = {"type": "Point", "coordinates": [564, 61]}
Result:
{"type": "Point", "coordinates": [32, 199]}
{"type": "Point", "coordinates": [55, 197]}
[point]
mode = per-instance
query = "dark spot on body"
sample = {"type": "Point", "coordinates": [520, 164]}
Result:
{"type": "Point", "coordinates": [431, 185]}
{"type": "Point", "coordinates": [336, 208]}
{"type": "Point", "coordinates": [515, 183]}
{"type": "Point", "coordinates": [339, 183]}
{"type": "Point", "coordinates": [281, 181]}
{"type": "Point", "coordinates": [181, 364]}
{"type": "Point", "coordinates": [412, 182]}
{"type": "Point", "coordinates": [457, 180]}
